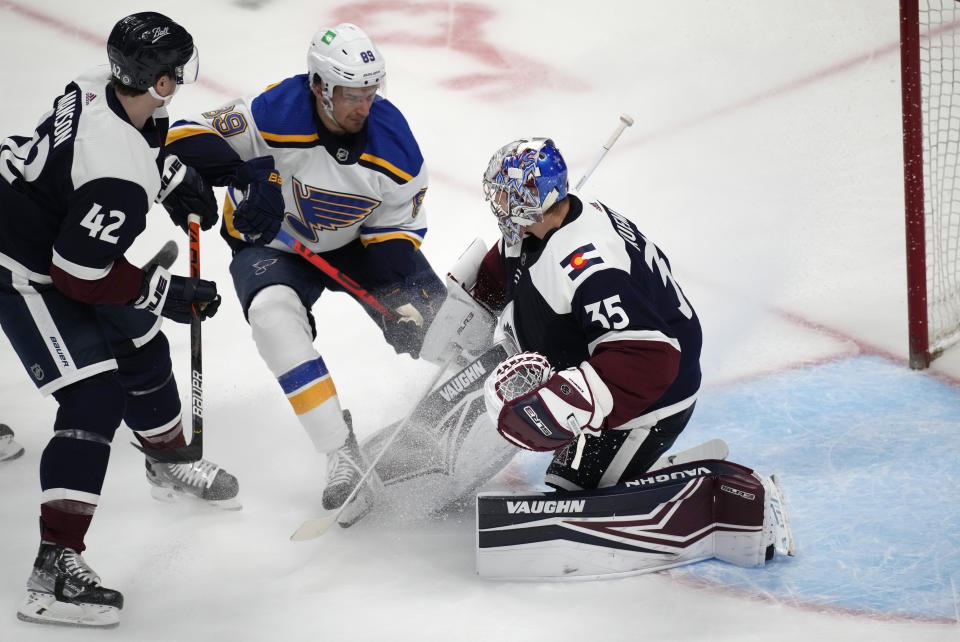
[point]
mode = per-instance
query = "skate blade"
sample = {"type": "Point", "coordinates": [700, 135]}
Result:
{"type": "Point", "coordinates": [173, 496]}
{"type": "Point", "coordinates": [44, 608]}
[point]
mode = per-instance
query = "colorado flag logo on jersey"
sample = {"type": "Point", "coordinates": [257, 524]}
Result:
{"type": "Point", "coordinates": [580, 259]}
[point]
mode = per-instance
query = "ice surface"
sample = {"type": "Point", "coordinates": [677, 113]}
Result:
{"type": "Point", "coordinates": [765, 161]}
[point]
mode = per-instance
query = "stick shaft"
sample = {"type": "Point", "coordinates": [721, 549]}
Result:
{"type": "Point", "coordinates": [352, 286]}
{"type": "Point", "coordinates": [625, 121]}
{"type": "Point", "coordinates": [196, 348]}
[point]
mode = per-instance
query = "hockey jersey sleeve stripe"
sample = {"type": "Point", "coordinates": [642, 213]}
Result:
{"type": "Point", "coordinates": [634, 335]}
{"type": "Point", "coordinates": [296, 378]}
{"type": "Point", "coordinates": [385, 167]}
{"type": "Point", "coordinates": [79, 271]}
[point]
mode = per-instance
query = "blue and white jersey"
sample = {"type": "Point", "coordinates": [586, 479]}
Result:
{"type": "Point", "coordinates": [369, 186]}
{"type": "Point", "coordinates": [596, 289]}
{"type": "Point", "coordinates": [75, 195]}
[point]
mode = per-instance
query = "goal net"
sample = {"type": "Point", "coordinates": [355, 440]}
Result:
{"type": "Point", "coordinates": [930, 77]}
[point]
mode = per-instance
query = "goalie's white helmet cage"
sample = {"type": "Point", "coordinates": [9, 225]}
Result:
{"type": "Point", "coordinates": [344, 55]}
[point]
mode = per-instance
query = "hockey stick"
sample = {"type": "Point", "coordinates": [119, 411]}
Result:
{"type": "Point", "coordinates": [193, 451]}
{"type": "Point", "coordinates": [352, 286]}
{"type": "Point", "coordinates": [713, 449]}
{"type": "Point", "coordinates": [313, 528]}
{"type": "Point", "coordinates": [625, 121]}
{"type": "Point", "coordinates": [164, 257]}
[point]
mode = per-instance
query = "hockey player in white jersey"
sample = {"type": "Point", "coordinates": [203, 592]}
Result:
{"type": "Point", "coordinates": [83, 320]}
{"type": "Point", "coordinates": [325, 161]}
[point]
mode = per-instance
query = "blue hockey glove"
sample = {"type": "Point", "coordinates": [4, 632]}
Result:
{"type": "Point", "coordinates": [260, 213]}
{"type": "Point", "coordinates": [183, 192]}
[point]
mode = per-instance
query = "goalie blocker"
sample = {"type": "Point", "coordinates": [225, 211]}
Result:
{"type": "Point", "coordinates": [669, 517]}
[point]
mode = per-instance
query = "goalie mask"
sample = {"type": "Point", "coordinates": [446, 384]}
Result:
{"type": "Point", "coordinates": [344, 56]}
{"type": "Point", "coordinates": [145, 46]}
{"type": "Point", "coordinates": [523, 180]}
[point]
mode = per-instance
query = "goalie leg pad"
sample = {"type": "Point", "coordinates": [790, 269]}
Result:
{"type": "Point", "coordinates": [461, 323]}
{"type": "Point", "coordinates": [281, 330]}
{"type": "Point", "coordinates": [688, 513]}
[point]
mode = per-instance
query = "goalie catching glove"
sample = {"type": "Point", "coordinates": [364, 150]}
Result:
{"type": "Point", "coordinates": [178, 298]}
{"type": "Point", "coordinates": [537, 408]}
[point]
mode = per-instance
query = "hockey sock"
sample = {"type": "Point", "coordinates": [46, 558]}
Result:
{"type": "Point", "coordinates": [65, 522]}
{"type": "Point", "coordinates": [162, 438]}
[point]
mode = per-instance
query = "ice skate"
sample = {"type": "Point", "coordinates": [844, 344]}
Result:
{"type": "Point", "coordinates": [63, 590]}
{"type": "Point", "coordinates": [9, 449]}
{"type": "Point", "coordinates": [197, 481]}
{"type": "Point", "coordinates": [345, 468]}
{"type": "Point", "coordinates": [776, 525]}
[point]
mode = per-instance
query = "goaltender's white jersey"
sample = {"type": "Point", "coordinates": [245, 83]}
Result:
{"type": "Point", "coordinates": [369, 186]}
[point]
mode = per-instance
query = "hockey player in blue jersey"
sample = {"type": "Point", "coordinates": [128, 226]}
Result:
{"type": "Point", "coordinates": [334, 165]}
{"type": "Point", "coordinates": [611, 343]}
{"type": "Point", "coordinates": [83, 320]}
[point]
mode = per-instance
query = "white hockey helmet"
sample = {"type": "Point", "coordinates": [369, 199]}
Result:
{"type": "Point", "coordinates": [344, 56]}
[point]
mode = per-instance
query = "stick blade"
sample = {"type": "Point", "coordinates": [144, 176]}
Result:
{"type": "Point", "coordinates": [165, 256]}
{"type": "Point", "coordinates": [314, 528]}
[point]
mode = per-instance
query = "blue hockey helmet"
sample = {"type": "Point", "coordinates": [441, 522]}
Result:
{"type": "Point", "coordinates": [523, 180]}
{"type": "Point", "coordinates": [144, 46]}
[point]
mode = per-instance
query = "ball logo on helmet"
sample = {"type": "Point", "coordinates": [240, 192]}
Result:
{"type": "Point", "coordinates": [155, 34]}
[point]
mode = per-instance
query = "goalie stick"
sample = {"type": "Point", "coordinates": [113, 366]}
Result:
{"type": "Point", "coordinates": [625, 121]}
{"type": "Point", "coordinates": [713, 449]}
{"type": "Point", "coordinates": [194, 450]}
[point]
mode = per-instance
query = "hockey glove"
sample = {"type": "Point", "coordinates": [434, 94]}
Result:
{"type": "Point", "coordinates": [183, 192]}
{"type": "Point", "coordinates": [260, 213]}
{"type": "Point", "coordinates": [412, 312]}
{"type": "Point", "coordinates": [538, 409]}
{"type": "Point", "coordinates": [178, 298]}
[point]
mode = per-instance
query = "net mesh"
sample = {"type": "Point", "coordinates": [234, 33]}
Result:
{"type": "Point", "coordinates": [940, 74]}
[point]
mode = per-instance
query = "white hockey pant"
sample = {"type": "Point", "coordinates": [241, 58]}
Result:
{"type": "Point", "coordinates": [281, 330]}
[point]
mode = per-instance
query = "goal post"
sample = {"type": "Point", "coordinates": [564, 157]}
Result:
{"type": "Point", "coordinates": [930, 85]}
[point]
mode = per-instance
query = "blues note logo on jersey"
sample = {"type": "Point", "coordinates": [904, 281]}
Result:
{"type": "Point", "coordinates": [580, 259]}
{"type": "Point", "coordinates": [418, 202]}
{"type": "Point", "coordinates": [321, 209]}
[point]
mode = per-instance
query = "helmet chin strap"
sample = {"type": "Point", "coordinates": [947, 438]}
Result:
{"type": "Point", "coordinates": [164, 99]}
